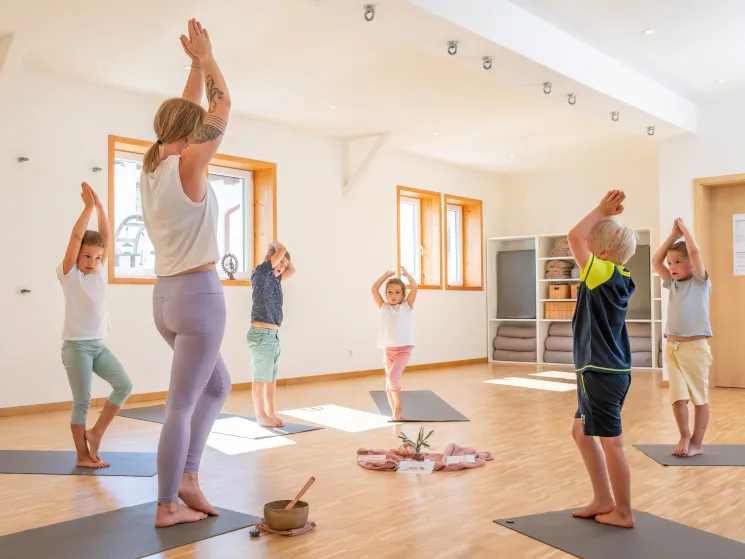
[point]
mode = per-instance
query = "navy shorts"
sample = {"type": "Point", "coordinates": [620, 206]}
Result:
{"type": "Point", "coordinates": [601, 397]}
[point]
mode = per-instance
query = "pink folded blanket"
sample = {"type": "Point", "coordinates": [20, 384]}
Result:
{"type": "Point", "coordinates": [405, 452]}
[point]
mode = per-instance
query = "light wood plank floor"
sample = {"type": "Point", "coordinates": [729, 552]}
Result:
{"type": "Point", "coordinates": [364, 514]}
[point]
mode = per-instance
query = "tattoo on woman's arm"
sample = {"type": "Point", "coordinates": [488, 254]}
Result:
{"type": "Point", "coordinates": [212, 128]}
{"type": "Point", "coordinates": [213, 93]}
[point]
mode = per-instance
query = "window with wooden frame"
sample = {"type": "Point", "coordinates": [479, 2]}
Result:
{"type": "Point", "coordinates": [463, 247]}
{"type": "Point", "coordinates": [239, 184]}
{"type": "Point", "coordinates": [420, 235]}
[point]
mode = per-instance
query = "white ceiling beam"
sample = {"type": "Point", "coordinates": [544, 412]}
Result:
{"type": "Point", "coordinates": [525, 34]}
{"type": "Point", "coordinates": [11, 58]}
{"type": "Point", "coordinates": [354, 166]}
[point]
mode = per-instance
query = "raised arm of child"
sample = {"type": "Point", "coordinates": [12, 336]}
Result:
{"type": "Point", "coordinates": [81, 225]}
{"type": "Point", "coordinates": [376, 287]}
{"type": "Point", "coordinates": [104, 228]}
{"type": "Point", "coordinates": [279, 253]}
{"type": "Point", "coordinates": [610, 205]}
{"type": "Point", "coordinates": [413, 287]}
{"type": "Point", "coordinates": [694, 253]}
{"type": "Point", "coordinates": [658, 260]}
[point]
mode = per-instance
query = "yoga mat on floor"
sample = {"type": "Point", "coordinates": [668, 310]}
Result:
{"type": "Point", "coordinates": [419, 405]}
{"type": "Point", "coordinates": [126, 533]}
{"type": "Point", "coordinates": [157, 414]}
{"type": "Point", "coordinates": [62, 462]}
{"type": "Point", "coordinates": [652, 538]}
{"type": "Point", "coordinates": [714, 455]}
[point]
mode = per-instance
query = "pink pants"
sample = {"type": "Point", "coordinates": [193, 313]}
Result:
{"type": "Point", "coordinates": [396, 359]}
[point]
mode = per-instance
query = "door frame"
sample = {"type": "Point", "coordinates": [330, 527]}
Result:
{"type": "Point", "coordinates": [702, 189]}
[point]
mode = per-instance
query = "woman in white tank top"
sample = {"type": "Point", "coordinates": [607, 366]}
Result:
{"type": "Point", "coordinates": [180, 212]}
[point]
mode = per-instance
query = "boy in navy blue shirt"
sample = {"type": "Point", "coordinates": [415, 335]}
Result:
{"type": "Point", "coordinates": [601, 245]}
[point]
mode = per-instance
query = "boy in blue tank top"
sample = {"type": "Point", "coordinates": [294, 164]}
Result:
{"type": "Point", "coordinates": [601, 245]}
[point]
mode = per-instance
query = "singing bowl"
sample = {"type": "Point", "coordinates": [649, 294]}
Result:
{"type": "Point", "coordinates": [277, 518]}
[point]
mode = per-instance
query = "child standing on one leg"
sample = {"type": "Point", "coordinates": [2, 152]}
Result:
{"type": "Point", "coordinates": [263, 336]}
{"type": "Point", "coordinates": [86, 324]}
{"type": "Point", "coordinates": [602, 356]}
{"type": "Point", "coordinates": [687, 353]}
{"type": "Point", "coordinates": [396, 335]}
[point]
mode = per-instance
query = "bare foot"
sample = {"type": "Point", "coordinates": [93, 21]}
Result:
{"type": "Point", "coordinates": [277, 421]}
{"type": "Point", "coordinates": [593, 509]}
{"type": "Point", "coordinates": [94, 442]}
{"type": "Point", "coordinates": [88, 462]}
{"type": "Point", "coordinates": [614, 518]}
{"type": "Point", "coordinates": [170, 514]}
{"type": "Point", "coordinates": [264, 420]}
{"type": "Point", "coordinates": [682, 448]}
{"type": "Point", "coordinates": [192, 496]}
{"type": "Point", "coordinates": [397, 418]}
{"type": "Point", "coordinates": [695, 450]}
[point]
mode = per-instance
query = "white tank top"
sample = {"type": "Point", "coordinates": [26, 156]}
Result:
{"type": "Point", "coordinates": [86, 313]}
{"type": "Point", "coordinates": [395, 325]}
{"type": "Point", "coordinates": [183, 233]}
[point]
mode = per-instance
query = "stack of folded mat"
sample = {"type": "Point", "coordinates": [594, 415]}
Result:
{"type": "Point", "coordinates": [515, 343]}
{"type": "Point", "coordinates": [559, 269]}
{"type": "Point", "coordinates": [559, 348]}
{"type": "Point", "coordinates": [559, 344]}
{"type": "Point", "coordinates": [561, 248]}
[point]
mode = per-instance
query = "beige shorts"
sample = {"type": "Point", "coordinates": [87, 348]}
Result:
{"type": "Point", "coordinates": [688, 369]}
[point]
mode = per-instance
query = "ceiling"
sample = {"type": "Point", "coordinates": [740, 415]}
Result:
{"type": "Point", "coordinates": [290, 61]}
{"type": "Point", "coordinates": [695, 42]}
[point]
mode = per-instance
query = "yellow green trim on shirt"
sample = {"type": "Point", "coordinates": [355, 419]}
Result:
{"type": "Point", "coordinates": [597, 272]}
{"type": "Point", "coordinates": [595, 367]}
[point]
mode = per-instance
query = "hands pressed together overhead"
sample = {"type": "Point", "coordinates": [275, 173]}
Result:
{"type": "Point", "coordinates": [89, 196]}
{"type": "Point", "coordinates": [197, 45]}
{"type": "Point", "coordinates": [612, 203]}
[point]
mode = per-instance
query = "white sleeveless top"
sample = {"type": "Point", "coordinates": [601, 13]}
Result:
{"type": "Point", "coordinates": [395, 325]}
{"type": "Point", "coordinates": [183, 233]}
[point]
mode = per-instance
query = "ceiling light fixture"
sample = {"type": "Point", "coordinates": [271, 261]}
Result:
{"type": "Point", "coordinates": [452, 48]}
{"type": "Point", "coordinates": [648, 32]}
{"type": "Point", "coordinates": [369, 12]}
{"type": "Point", "coordinates": [332, 106]}
{"type": "Point", "coordinates": [650, 130]}
{"type": "Point", "coordinates": [614, 116]}
{"type": "Point", "coordinates": [547, 88]}
{"type": "Point", "coordinates": [572, 98]}
{"type": "Point", "coordinates": [487, 61]}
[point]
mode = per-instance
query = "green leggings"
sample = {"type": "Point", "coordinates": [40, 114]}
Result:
{"type": "Point", "coordinates": [81, 360]}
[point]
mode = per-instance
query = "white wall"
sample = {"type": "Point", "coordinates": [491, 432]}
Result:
{"type": "Point", "coordinates": [553, 200]}
{"type": "Point", "coordinates": [339, 244]}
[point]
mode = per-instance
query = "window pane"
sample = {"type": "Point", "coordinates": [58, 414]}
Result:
{"type": "Point", "coordinates": [133, 252]}
{"type": "Point", "coordinates": [455, 245]}
{"type": "Point", "coordinates": [410, 242]}
{"type": "Point", "coordinates": [231, 224]}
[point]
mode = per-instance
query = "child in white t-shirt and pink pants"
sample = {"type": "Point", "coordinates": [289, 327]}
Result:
{"type": "Point", "coordinates": [396, 335]}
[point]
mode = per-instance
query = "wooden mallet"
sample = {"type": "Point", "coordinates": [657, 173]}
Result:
{"type": "Point", "coordinates": [302, 492]}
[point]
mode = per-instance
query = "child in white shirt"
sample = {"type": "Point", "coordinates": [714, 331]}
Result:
{"type": "Point", "coordinates": [86, 324]}
{"type": "Point", "coordinates": [396, 335]}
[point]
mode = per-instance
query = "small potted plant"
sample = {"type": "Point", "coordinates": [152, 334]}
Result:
{"type": "Point", "coordinates": [421, 443]}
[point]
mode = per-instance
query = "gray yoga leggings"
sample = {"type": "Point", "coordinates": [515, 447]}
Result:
{"type": "Point", "coordinates": [189, 313]}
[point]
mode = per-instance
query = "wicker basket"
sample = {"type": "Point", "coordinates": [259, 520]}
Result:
{"type": "Point", "coordinates": [560, 310]}
{"type": "Point", "coordinates": [558, 291]}
{"type": "Point", "coordinates": [574, 290]}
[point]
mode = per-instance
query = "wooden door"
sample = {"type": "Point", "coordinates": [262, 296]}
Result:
{"type": "Point", "coordinates": [728, 290]}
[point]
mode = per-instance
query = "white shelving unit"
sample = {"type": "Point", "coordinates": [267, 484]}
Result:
{"type": "Point", "coordinates": [542, 244]}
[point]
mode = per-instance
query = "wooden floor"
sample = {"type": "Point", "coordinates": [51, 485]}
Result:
{"type": "Point", "coordinates": [362, 513]}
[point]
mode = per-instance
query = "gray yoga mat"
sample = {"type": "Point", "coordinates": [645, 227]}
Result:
{"type": "Point", "coordinates": [157, 414]}
{"type": "Point", "coordinates": [62, 462]}
{"type": "Point", "coordinates": [652, 537]}
{"type": "Point", "coordinates": [126, 533]}
{"type": "Point", "coordinates": [419, 405]}
{"type": "Point", "coordinates": [714, 455]}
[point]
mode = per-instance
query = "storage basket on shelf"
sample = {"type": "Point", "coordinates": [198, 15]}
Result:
{"type": "Point", "coordinates": [574, 289]}
{"type": "Point", "coordinates": [560, 310]}
{"type": "Point", "coordinates": [560, 291]}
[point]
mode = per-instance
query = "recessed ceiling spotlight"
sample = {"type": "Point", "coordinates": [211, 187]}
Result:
{"type": "Point", "coordinates": [650, 130]}
{"type": "Point", "coordinates": [546, 87]}
{"type": "Point", "coordinates": [648, 32]}
{"type": "Point", "coordinates": [723, 80]}
{"type": "Point", "coordinates": [572, 98]}
{"type": "Point", "coordinates": [614, 116]}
